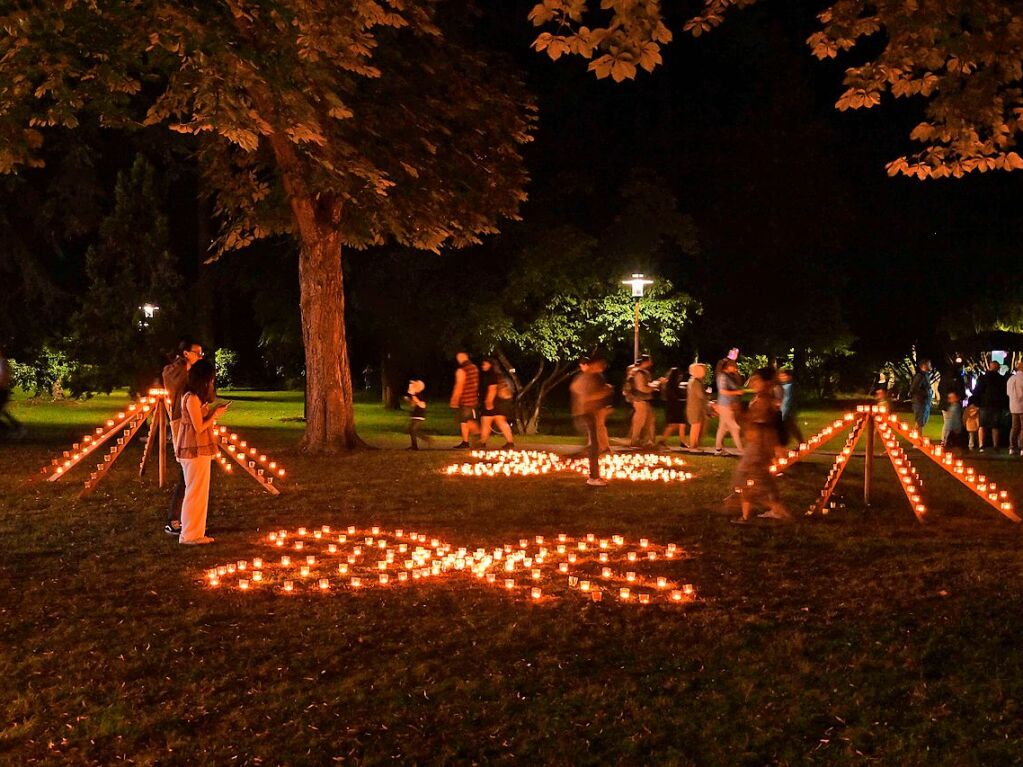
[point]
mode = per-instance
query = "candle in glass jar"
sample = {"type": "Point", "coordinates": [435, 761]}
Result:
{"type": "Point", "coordinates": [257, 563]}
{"type": "Point", "coordinates": [662, 582]}
{"type": "Point", "coordinates": [304, 571]}
{"type": "Point", "coordinates": [324, 584]}
{"type": "Point", "coordinates": [384, 578]}
{"type": "Point", "coordinates": [289, 586]}
{"type": "Point", "coordinates": [644, 599]}
{"type": "Point", "coordinates": [509, 583]}
{"type": "Point", "coordinates": [535, 593]}
{"type": "Point", "coordinates": [536, 575]}
{"type": "Point", "coordinates": [257, 575]}
{"type": "Point", "coordinates": [584, 585]}
{"type": "Point", "coordinates": [605, 572]}
{"type": "Point", "coordinates": [623, 593]}
{"type": "Point", "coordinates": [285, 561]}
{"type": "Point", "coordinates": [630, 577]}
{"type": "Point", "coordinates": [310, 560]}
{"type": "Point", "coordinates": [356, 582]}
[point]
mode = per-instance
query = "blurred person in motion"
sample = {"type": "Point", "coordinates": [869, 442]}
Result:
{"type": "Point", "coordinates": [639, 391]}
{"type": "Point", "coordinates": [417, 401]}
{"type": "Point", "coordinates": [729, 405]}
{"type": "Point", "coordinates": [920, 394]}
{"type": "Point", "coordinates": [674, 408]}
{"type": "Point", "coordinates": [498, 404]}
{"type": "Point", "coordinates": [589, 396]}
{"type": "Point", "coordinates": [465, 398]}
{"type": "Point", "coordinates": [696, 404]}
{"type": "Point", "coordinates": [753, 481]}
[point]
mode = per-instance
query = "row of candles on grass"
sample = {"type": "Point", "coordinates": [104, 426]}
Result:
{"type": "Point", "coordinates": [967, 475]}
{"type": "Point", "coordinates": [124, 422]}
{"type": "Point", "coordinates": [909, 480]}
{"type": "Point", "coordinates": [264, 468]}
{"type": "Point", "coordinates": [635, 467]}
{"type": "Point", "coordinates": [823, 503]}
{"type": "Point", "coordinates": [369, 559]}
{"type": "Point", "coordinates": [818, 440]}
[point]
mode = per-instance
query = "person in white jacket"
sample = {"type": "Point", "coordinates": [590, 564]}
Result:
{"type": "Point", "coordinates": [1014, 388]}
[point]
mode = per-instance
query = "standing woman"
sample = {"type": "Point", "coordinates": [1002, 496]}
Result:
{"type": "Point", "coordinates": [498, 404]}
{"type": "Point", "coordinates": [195, 450]}
{"type": "Point", "coordinates": [696, 403]}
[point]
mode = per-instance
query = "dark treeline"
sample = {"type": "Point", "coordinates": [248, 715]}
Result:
{"type": "Point", "coordinates": [766, 216]}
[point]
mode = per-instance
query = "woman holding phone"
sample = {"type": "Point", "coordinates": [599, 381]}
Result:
{"type": "Point", "coordinates": [195, 450]}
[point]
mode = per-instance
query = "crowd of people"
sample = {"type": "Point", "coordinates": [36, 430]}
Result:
{"type": "Point", "coordinates": [975, 410]}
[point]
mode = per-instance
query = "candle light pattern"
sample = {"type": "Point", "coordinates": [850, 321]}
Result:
{"type": "Point", "coordinates": [535, 569]}
{"type": "Point", "coordinates": [821, 505]}
{"type": "Point", "coordinates": [992, 494]}
{"type": "Point", "coordinates": [634, 467]}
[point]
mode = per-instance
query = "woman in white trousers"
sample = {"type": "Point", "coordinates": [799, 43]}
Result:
{"type": "Point", "coordinates": [195, 450]}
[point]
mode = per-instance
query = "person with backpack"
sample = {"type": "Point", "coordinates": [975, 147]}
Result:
{"type": "Point", "coordinates": [498, 404]}
{"type": "Point", "coordinates": [639, 390]}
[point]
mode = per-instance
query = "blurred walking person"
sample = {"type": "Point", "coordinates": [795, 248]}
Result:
{"type": "Point", "coordinates": [175, 376]}
{"type": "Point", "coordinates": [789, 422]}
{"type": "Point", "coordinates": [417, 401]}
{"type": "Point", "coordinates": [696, 404]}
{"type": "Point", "coordinates": [589, 396]}
{"type": "Point", "coordinates": [498, 404]}
{"type": "Point", "coordinates": [730, 392]}
{"type": "Point", "coordinates": [195, 450]}
{"type": "Point", "coordinates": [640, 390]}
{"type": "Point", "coordinates": [465, 398]}
{"type": "Point", "coordinates": [921, 394]}
{"type": "Point", "coordinates": [1014, 390]}
{"type": "Point", "coordinates": [674, 408]}
{"type": "Point", "coordinates": [753, 481]}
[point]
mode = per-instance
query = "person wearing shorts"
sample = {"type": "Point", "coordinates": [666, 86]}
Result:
{"type": "Point", "coordinates": [465, 397]}
{"type": "Point", "coordinates": [991, 397]}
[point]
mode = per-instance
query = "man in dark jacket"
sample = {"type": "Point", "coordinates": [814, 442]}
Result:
{"type": "Point", "coordinates": [174, 377]}
{"type": "Point", "coordinates": [990, 396]}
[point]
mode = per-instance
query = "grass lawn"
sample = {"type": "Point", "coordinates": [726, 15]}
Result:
{"type": "Point", "coordinates": [862, 638]}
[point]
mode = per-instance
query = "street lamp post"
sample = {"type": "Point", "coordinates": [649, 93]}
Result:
{"type": "Point", "coordinates": [638, 283]}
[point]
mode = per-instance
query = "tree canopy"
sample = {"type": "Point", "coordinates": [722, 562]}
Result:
{"type": "Point", "coordinates": [342, 124]}
{"type": "Point", "coordinates": [963, 57]}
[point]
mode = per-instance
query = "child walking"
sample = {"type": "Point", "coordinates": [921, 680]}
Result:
{"type": "Point", "coordinates": [415, 421]}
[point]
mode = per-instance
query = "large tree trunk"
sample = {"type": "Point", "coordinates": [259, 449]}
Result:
{"type": "Point", "coordinates": [330, 417]}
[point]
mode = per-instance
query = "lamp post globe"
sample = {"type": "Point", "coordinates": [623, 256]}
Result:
{"type": "Point", "coordinates": [638, 283]}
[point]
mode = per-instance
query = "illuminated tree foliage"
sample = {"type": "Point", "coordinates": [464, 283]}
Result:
{"type": "Point", "coordinates": [345, 123]}
{"type": "Point", "coordinates": [963, 57]}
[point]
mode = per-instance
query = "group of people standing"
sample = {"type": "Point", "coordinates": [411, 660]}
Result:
{"type": "Point", "coordinates": [995, 400]}
{"type": "Point", "coordinates": [189, 380]}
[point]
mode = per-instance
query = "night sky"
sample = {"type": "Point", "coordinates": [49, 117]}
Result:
{"type": "Point", "coordinates": [788, 193]}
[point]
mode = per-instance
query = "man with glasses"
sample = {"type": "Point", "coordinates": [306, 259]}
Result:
{"type": "Point", "coordinates": [174, 377]}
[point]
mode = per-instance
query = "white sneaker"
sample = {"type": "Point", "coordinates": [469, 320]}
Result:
{"type": "Point", "coordinates": [596, 482]}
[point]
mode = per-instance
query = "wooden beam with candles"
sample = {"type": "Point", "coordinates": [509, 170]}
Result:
{"type": "Point", "coordinates": [995, 496]}
{"type": "Point", "coordinates": [820, 505]}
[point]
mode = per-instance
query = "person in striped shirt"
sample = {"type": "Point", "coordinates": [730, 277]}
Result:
{"type": "Point", "coordinates": [465, 398]}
